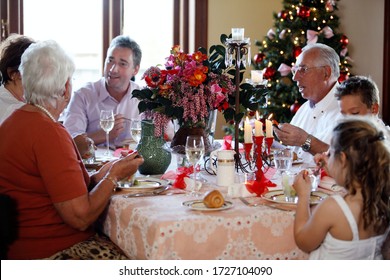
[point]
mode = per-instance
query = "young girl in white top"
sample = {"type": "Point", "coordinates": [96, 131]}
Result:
{"type": "Point", "coordinates": [353, 226]}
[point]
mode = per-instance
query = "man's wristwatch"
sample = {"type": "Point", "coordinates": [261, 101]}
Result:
{"type": "Point", "coordinates": [306, 146]}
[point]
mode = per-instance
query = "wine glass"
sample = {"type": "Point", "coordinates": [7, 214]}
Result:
{"type": "Point", "coordinates": [135, 130]}
{"type": "Point", "coordinates": [194, 152]}
{"type": "Point", "coordinates": [107, 121]}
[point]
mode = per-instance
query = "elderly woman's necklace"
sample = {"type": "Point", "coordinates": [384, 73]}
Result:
{"type": "Point", "coordinates": [43, 109]}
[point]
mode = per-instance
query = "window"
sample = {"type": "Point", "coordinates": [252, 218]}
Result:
{"type": "Point", "coordinates": [85, 28]}
{"type": "Point", "coordinates": [150, 24]}
{"type": "Point", "coordinates": [77, 30]}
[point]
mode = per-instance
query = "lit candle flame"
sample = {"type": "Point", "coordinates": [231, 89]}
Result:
{"type": "Point", "coordinates": [270, 116]}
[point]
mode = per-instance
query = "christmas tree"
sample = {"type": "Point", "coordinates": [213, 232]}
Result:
{"type": "Point", "coordinates": [301, 22]}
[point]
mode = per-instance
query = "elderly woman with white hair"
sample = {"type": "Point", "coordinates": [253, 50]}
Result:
{"type": "Point", "coordinates": [41, 169]}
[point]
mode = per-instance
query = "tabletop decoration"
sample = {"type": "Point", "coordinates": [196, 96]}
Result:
{"type": "Point", "coordinates": [187, 90]}
{"type": "Point", "coordinates": [150, 147]}
{"type": "Point", "coordinates": [193, 85]}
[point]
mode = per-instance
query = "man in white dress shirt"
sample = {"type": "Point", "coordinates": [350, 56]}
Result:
{"type": "Point", "coordinates": [316, 72]}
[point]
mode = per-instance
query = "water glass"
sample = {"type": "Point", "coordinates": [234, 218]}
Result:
{"type": "Point", "coordinates": [283, 159]}
{"type": "Point", "coordinates": [135, 130]}
{"type": "Point", "coordinates": [89, 155]}
{"type": "Point", "coordinates": [314, 179]}
{"type": "Point", "coordinates": [194, 151]}
{"type": "Point", "coordinates": [288, 189]}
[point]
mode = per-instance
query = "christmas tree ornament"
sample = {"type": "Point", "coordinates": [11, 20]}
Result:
{"type": "Point", "coordinates": [297, 51]}
{"type": "Point", "coordinates": [343, 76]}
{"type": "Point", "coordinates": [303, 12]}
{"type": "Point", "coordinates": [282, 34]}
{"type": "Point", "coordinates": [271, 34]}
{"type": "Point", "coordinates": [258, 58]}
{"type": "Point", "coordinates": [344, 41]}
{"type": "Point", "coordinates": [269, 73]}
{"type": "Point", "coordinates": [283, 14]}
{"type": "Point", "coordinates": [295, 107]}
{"type": "Point", "coordinates": [286, 81]}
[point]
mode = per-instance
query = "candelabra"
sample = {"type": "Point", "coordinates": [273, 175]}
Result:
{"type": "Point", "coordinates": [239, 49]}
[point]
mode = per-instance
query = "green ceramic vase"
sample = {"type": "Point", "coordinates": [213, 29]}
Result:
{"type": "Point", "coordinates": [150, 147]}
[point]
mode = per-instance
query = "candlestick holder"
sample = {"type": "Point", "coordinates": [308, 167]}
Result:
{"type": "Point", "coordinates": [269, 141]}
{"type": "Point", "coordinates": [248, 150]}
{"type": "Point", "coordinates": [240, 49]}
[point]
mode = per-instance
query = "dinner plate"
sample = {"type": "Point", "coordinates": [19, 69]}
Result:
{"type": "Point", "coordinates": [200, 206]}
{"type": "Point", "coordinates": [142, 184]}
{"type": "Point", "coordinates": [278, 197]}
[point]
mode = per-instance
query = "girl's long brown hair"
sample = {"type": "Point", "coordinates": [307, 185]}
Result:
{"type": "Point", "coordinates": [367, 150]}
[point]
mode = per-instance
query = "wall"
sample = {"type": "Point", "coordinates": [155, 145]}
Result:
{"type": "Point", "coordinates": [361, 20]}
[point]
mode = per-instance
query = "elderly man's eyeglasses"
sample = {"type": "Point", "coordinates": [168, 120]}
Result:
{"type": "Point", "coordinates": [303, 69]}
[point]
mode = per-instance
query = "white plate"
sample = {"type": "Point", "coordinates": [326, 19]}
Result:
{"type": "Point", "coordinates": [199, 205]}
{"type": "Point", "coordinates": [143, 184]}
{"type": "Point", "coordinates": [278, 197]}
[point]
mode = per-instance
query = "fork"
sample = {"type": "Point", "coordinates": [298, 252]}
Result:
{"type": "Point", "coordinates": [320, 164]}
{"type": "Point", "coordinates": [246, 202]}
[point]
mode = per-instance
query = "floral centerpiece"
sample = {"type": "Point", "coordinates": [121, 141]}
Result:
{"type": "Point", "coordinates": [190, 87]}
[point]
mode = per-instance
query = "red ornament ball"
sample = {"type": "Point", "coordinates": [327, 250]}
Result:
{"type": "Point", "coordinates": [258, 58]}
{"type": "Point", "coordinates": [343, 76]}
{"type": "Point", "coordinates": [283, 14]}
{"type": "Point", "coordinates": [269, 73]}
{"type": "Point", "coordinates": [304, 12]}
{"type": "Point", "coordinates": [344, 41]}
{"type": "Point", "coordinates": [297, 51]}
{"type": "Point", "coordinates": [294, 107]}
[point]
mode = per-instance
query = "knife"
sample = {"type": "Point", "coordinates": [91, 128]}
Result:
{"type": "Point", "coordinates": [153, 193]}
{"type": "Point", "coordinates": [246, 202]}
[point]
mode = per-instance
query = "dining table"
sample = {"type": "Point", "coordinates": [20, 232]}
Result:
{"type": "Point", "coordinates": [164, 226]}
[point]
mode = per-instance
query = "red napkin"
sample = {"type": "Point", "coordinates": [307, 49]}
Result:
{"type": "Point", "coordinates": [256, 187]}
{"type": "Point", "coordinates": [227, 142]}
{"type": "Point", "coordinates": [178, 176]}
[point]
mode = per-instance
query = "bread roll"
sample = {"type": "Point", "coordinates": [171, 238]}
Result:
{"type": "Point", "coordinates": [213, 199]}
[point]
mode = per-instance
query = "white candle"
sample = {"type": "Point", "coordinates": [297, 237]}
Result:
{"type": "Point", "coordinates": [258, 126]}
{"type": "Point", "coordinates": [257, 76]}
{"type": "Point", "coordinates": [247, 132]}
{"type": "Point", "coordinates": [238, 33]}
{"type": "Point", "coordinates": [268, 128]}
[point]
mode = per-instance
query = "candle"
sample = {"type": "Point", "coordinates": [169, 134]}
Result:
{"type": "Point", "coordinates": [268, 128]}
{"type": "Point", "coordinates": [258, 126]}
{"type": "Point", "coordinates": [238, 33]}
{"type": "Point", "coordinates": [247, 132]}
{"type": "Point", "coordinates": [257, 76]}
